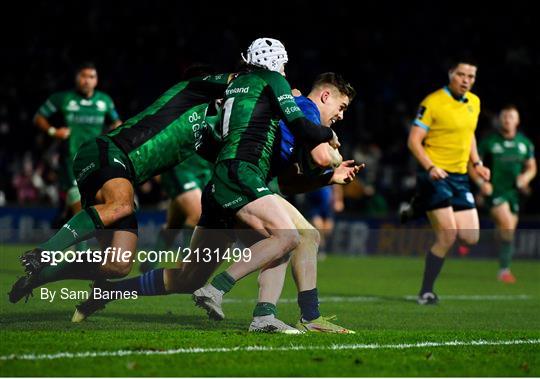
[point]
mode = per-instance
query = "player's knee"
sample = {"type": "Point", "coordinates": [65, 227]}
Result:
{"type": "Point", "coordinates": [447, 237]}
{"type": "Point", "coordinates": [289, 240]}
{"type": "Point", "coordinates": [469, 237]}
{"type": "Point", "coordinates": [192, 219]}
{"type": "Point", "coordinates": [121, 210]}
{"type": "Point", "coordinates": [294, 240]}
{"type": "Point", "coordinates": [311, 236]}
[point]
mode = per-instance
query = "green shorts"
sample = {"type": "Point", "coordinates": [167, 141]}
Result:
{"type": "Point", "coordinates": [193, 173]}
{"type": "Point", "coordinates": [234, 184]}
{"type": "Point", "coordinates": [98, 161]}
{"type": "Point", "coordinates": [511, 197]}
{"type": "Point", "coordinates": [453, 191]}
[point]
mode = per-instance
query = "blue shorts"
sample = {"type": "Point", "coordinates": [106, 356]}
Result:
{"type": "Point", "coordinates": [320, 203]}
{"type": "Point", "coordinates": [453, 191]}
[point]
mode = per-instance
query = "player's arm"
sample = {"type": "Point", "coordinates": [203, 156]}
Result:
{"type": "Point", "coordinates": [486, 188]}
{"type": "Point", "coordinates": [213, 86]}
{"type": "Point", "coordinates": [476, 163]}
{"type": "Point", "coordinates": [302, 129]}
{"type": "Point", "coordinates": [113, 116]}
{"type": "Point", "coordinates": [528, 174]}
{"type": "Point", "coordinates": [294, 182]}
{"type": "Point", "coordinates": [323, 155]}
{"type": "Point", "coordinates": [41, 119]}
{"type": "Point", "coordinates": [115, 124]}
{"type": "Point", "coordinates": [339, 204]}
{"type": "Point", "coordinates": [415, 145]}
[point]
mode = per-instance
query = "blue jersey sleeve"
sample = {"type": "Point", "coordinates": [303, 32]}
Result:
{"type": "Point", "coordinates": [312, 113]}
{"type": "Point", "coordinates": [309, 108]}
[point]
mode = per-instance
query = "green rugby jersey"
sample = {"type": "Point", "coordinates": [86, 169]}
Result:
{"type": "Point", "coordinates": [86, 118]}
{"type": "Point", "coordinates": [171, 129]}
{"type": "Point", "coordinates": [505, 158]}
{"type": "Point", "coordinates": [253, 105]}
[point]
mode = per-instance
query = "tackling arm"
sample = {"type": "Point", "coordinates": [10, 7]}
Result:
{"type": "Point", "coordinates": [294, 182]}
{"type": "Point", "coordinates": [325, 156]}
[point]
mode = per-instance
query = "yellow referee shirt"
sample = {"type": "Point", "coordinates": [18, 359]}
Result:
{"type": "Point", "coordinates": [450, 124]}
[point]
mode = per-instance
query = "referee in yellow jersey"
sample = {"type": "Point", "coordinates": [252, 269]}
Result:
{"type": "Point", "coordinates": [442, 141]}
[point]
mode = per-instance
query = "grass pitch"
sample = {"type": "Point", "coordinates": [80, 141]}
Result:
{"type": "Point", "coordinates": [481, 328]}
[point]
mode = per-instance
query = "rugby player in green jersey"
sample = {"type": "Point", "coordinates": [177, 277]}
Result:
{"type": "Point", "coordinates": [510, 155]}
{"type": "Point", "coordinates": [80, 115]}
{"type": "Point", "coordinates": [238, 192]}
{"type": "Point", "coordinates": [183, 185]}
{"type": "Point", "coordinates": [107, 168]}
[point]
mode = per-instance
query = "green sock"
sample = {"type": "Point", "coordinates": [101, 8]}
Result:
{"type": "Point", "coordinates": [506, 250]}
{"type": "Point", "coordinates": [223, 282]}
{"type": "Point", "coordinates": [79, 228]}
{"type": "Point", "coordinates": [67, 270]}
{"type": "Point", "coordinates": [81, 246]}
{"type": "Point", "coordinates": [264, 309]}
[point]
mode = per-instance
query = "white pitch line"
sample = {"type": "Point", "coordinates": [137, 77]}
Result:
{"type": "Point", "coordinates": [201, 350]}
{"type": "Point", "coordinates": [366, 299]}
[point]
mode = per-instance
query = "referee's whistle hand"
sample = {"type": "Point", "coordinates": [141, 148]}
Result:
{"type": "Point", "coordinates": [437, 173]}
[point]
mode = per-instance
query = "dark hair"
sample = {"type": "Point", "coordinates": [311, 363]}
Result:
{"type": "Point", "coordinates": [509, 107]}
{"type": "Point", "coordinates": [84, 66]}
{"type": "Point", "coordinates": [336, 80]}
{"type": "Point", "coordinates": [198, 69]}
{"type": "Point", "coordinates": [463, 60]}
{"type": "Point", "coordinates": [242, 67]}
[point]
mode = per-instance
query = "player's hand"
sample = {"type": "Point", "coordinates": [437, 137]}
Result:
{"type": "Point", "coordinates": [346, 172]}
{"type": "Point", "coordinates": [295, 92]}
{"type": "Point", "coordinates": [334, 142]}
{"type": "Point", "coordinates": [521, 181]}
{"type": "Point", "coordinates": [527, 191]}
{"type": "Point", "coordinates": [486, 189]}
{"type": "Point", "coordinates": [62, 133]}
{"type": "Point", "coordinates": [483, 172]}
{"type": "Point", "coordinates": [437, 173]}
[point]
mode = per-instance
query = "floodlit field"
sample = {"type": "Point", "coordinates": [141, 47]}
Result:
{"type": "Point", "coordinates": [481, 328]}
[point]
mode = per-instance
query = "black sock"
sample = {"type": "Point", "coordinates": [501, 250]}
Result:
{"type": "Point", "coordinates": [308, 301]}
{"type": "Point", "coordinates": [431, 272]}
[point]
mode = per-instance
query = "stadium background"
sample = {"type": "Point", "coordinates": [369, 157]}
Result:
{"type": "Point", "coordinates": [393, 54]}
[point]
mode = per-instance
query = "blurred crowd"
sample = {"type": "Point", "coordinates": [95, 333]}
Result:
{"type": "Point", "coordinates": [393, 59]}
